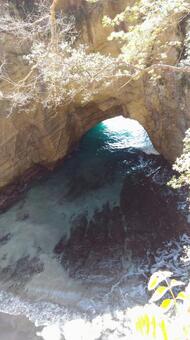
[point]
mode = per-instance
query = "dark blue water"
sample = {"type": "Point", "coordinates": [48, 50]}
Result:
{"type": "Point", "coordinates": [84, 240]}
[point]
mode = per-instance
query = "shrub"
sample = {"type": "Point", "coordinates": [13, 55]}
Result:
{"type": "Point", "coordinates": [144, 39]}
{"type": "Point", "coordinates": [160, 323]}
{"type": "Point", "coordinates": [60, 73]}
{"type": "Point", "coordinates": [182, 165]}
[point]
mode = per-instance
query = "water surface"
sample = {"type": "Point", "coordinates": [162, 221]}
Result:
{"type": "Point", "coordinates": [81, 244]}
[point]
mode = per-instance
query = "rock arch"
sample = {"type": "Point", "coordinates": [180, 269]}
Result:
{"type": "Point", "coordinates": [162, 110]}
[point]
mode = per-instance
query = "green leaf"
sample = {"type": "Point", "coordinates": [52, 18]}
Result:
{"type": "Point", "coordinates": [143, 324]}
{"type": "Point", "coordinates": [147, 323]}
{"type": "Point", "coordinates": [175, 283]}
{"type": "Point", "coordinates": [139, 325]}
{"type": "Point", "coordinates": [154, 326]}
{"type": "Point", "coordinates": [164, 330]}
{"type": "Point", "coordinates": [157, 278]}
{"type": "Point", "coordinates": [167, 304]}
{"type": "Point", "coordinates": [159, 292]}
{"type": "Point", "coordinates": [182, 296]}
{"type": "Point", "coordinates": [153, 282]}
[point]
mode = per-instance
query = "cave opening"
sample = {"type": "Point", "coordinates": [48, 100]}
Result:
{"type": "Point", "coordinates": [130, 208]}
{"type": "Point", "coordinates": [87, 235]}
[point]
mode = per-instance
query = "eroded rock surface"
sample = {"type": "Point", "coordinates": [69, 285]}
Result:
{"type": "Point", "coordinates": [40, 136]}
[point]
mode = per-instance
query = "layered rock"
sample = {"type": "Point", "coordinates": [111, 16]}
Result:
{"type": "Point", "coordinates": [41, 136]}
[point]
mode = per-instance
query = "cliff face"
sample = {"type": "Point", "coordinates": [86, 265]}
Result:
{"type": "Point", "coordinates": [44, 136]}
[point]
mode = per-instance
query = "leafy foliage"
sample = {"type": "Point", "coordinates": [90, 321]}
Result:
{"type": "Point", "coordinates": [59, 72]}
{"type": "Point", "coordinates": [182, 165]}
{"type": "Point", "coordinates": [160, 290]}
{"type": "Point", "coordinates": [145, 39]}
{"type": "Point", "coordinates": [71, 74]}
{"type": "Point", "coordinates": [161, 325]}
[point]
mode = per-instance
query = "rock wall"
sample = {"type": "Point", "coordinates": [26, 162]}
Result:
{"type": "Point", "coordinates": [43, 137]}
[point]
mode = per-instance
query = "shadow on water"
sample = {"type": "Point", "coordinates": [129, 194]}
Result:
{"type": "Point", "coordinates": [87, 237]}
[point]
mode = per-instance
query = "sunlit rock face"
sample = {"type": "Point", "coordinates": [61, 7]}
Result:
{"type": "Point", "coordinates": [41, 136]}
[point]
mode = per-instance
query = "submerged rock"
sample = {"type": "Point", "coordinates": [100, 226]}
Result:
{"type": "Point", "coordinates": [148, 203]}
{"type": "Point", "coordinates": [19, 273]}
{"type": "Point", "coordinates": [95, 244]}
{"type": "Point", "coordinates": [150, 213]}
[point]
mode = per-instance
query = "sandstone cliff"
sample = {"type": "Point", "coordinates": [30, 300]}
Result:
{"type": "Point", "coordinates": [42, 136]}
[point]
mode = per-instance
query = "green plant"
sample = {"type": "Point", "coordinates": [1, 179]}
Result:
{"type": "Point", "coordinates": [149, 34]}
{"type": "Point", "coordinates": [182, 165]}
{"type": "Point", "coordinates": [160, 323]}
{"type": "Point", "coordinates": [57, 71]}
{"type": "Point", "coordinates": [152, 326]}
{"type": "Point", "coordinates": [161, 289]}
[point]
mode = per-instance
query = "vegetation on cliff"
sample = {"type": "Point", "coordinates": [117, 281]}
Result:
{"type": "Point", "coordinates": [59, 71]}
{"type": "Point", "coordinates": [62, 71]}
{"type": "Point", "coordinates": [153, 322]}
{"type": "Point", "coordinates": [182, 165]}
{"type": "Point", "coordinates": [147, 43]}
{"type": "Point", "coordinates": [146, 36]}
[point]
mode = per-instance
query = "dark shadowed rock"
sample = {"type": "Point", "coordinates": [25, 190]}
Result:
{"type": "Point", "coordinates": [148, 203]}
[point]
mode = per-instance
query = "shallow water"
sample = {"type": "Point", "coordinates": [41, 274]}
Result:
{"type": "Point", "coordinates": [69, 252]}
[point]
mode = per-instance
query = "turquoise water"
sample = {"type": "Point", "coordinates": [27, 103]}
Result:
{"type": "Point", "coordinates": [65, 248]}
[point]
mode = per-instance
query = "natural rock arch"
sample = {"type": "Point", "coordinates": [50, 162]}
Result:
{"type": "Point", "coordinates": [163, 113]}
{"type": "Point", "coordinates": [162, 110]}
